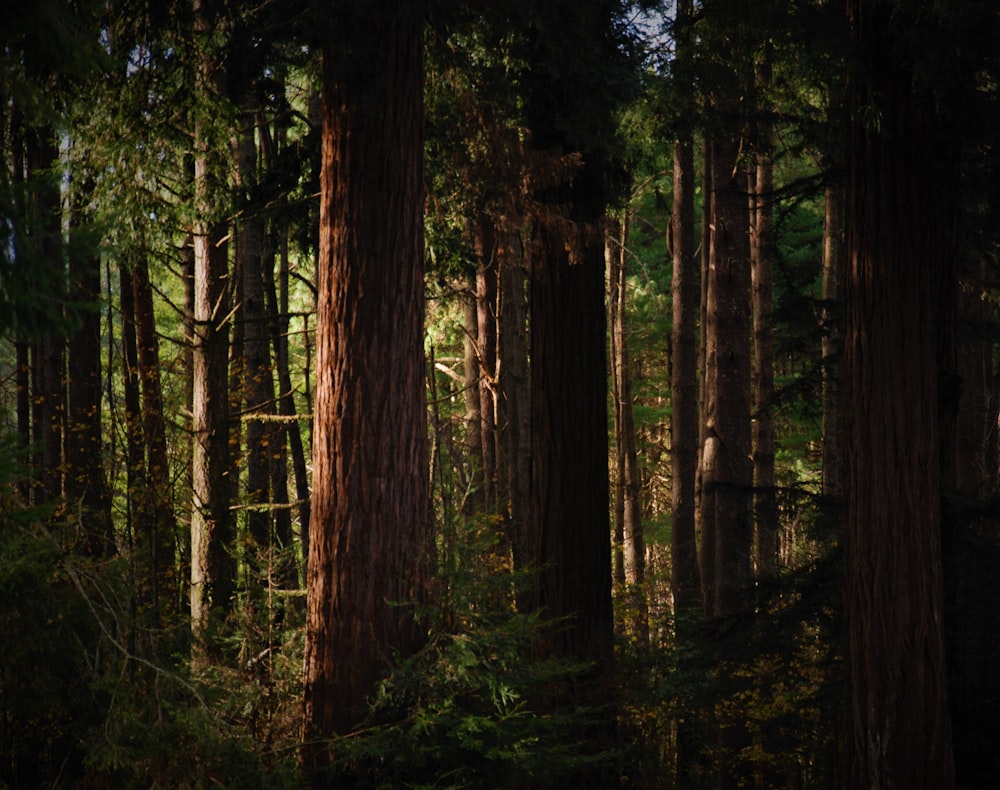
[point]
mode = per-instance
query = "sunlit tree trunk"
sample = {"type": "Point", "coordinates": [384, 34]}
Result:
{"type": "Point", "coordinates": [212, 532]}
{"type": "Point", "coordinates": [369, 536]}
{"type": "Point", "coordinates": [486, 345]}
{"type": "Point", "coordinates": [628, 482]}
{"type": "Point", "coordinates": [475, 499]}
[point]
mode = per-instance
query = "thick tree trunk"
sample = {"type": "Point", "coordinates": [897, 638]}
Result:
{"type": "Point", "coordinates": [48, 359]}
{"type": "Point", "coordinates": [727, 473]}
{"type": "Point", "coordinates": [726, 468]}
{"type": "Point", "coordinates": [87, 495]}
{"type": "Point", "coordinates": [369, 536]}
{"type": "Point", "coordinates": [899, 403]}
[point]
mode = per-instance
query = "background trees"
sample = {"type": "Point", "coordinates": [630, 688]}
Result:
{"type": "Point", "coordinates": [183, 314]}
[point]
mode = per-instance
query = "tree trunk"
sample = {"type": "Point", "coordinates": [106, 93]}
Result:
{"type": "Point", "coordinates": [212, 563]}
{"type": "Point", "coordinates": [87, 495]}
{"type": "Point", "coordinates": [832, 342]}
{"type": "Point", "coordinates": [727, 473]}
{"type": "Point", "coordinates": [513, 382]}
{"type": "Point", "coordinates": [899, 402]}
{"type": "Point", "coordinates": [475, 500]}
{"type": "Point", "coordinates": [48, 359]}
{"type": "Point", "coordinates": [370, 531]}
{"type": "Point", "coordinates": [628, 484]}
{"type": "Point", "coordinates": [286, 399]}
{"type": "Point", "coordinates": [765, 501]}
{"type": "Point", "coordinates": [726, 468]}
{"type": "Point", "coordinates": [163, 541]}
{"type": "Point", "coordinates": [684, 430]}
{"type": "Point", "coordinates": [486, 342]}
{"type": "Point", "coordinates": [255, 368]}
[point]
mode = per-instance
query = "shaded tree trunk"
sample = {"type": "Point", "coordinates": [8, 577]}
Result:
{"type": "Point", "coordinates": [48, 357]}
{"type": "Point", "coordinates": [726, 468]}
{"type": "Point", "coordinates": [369, 535]}
{"type": "Point", "coordinates": [255, 367]}
{"type": "Point", "coordinates": [163, 540]}
{"type": "Point", "coordinates": [513, 382]}
{"type": "Point", "coordinates": [87, 495]}
{"type": "Point", "coordinates": [899, 399]}
{"type": "Point", "coordinates": [684, 398]}
{"type": "Point", "coordinates": [287, 410]}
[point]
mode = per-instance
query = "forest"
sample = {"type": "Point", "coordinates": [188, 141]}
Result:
{"type": "Point", "coordinates": [518, 394]}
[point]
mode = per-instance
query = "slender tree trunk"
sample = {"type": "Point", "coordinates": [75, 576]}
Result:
{"type": "Point", "coordinates": [370, 531]}
{"type": "Point", "coordinates": [163, 540]}
{"type": "Point", "coordinates": [136, 514]}
{"type": "Point", "coordinates": [212, 563]}
{"type": "Point", "coordinates": [23, 384]}
{"type": "Point", "coordinates": [486, 312]}
{"type": "Point", "coordinates": [286, 399]}
{"type": "Point", "coordinates": [475, 500]}
{"type": "Point", "coordinates": [256, 371]}
{"type": "Point", "coordinates": [765, 501]}
{"type": "Point", "coordinates": [628, 485]}
{"type": "Point", "coordinates": [832, 325]}
{"type": "Point", "coordinates": [513, 382]}
{"type": "Point", "coordinates": [706, 551]}
{"type": "Point", "coordinates": [899, 399]}
{"type": "Point", "coordinates": [684, 430]}
{"type": "Point", "coordinates": [685, 401]}
{"type": "Point", "coordinates": [612, 240]}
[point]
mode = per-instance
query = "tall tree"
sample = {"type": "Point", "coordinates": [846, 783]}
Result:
{"type": "Point", "coordinates": [762, 254]}
{"type": "Point", "coordinates": [686, 307]}
{"type": "Point", "coordinates": [568, 539]}
{"type": "Point", "coordinates": [628, 509]}
{"type": "Point", "coordinates": [212, 530]}
{"type": "Point", "coordinates": [899, 392]}
{"type": "Point", "coordinates": [368, 548]}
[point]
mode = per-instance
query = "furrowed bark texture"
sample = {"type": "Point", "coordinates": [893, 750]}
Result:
{"type": "Point", "coordinates": [899, 319]}
{"type": "Point", "coordinates": [370, 509]}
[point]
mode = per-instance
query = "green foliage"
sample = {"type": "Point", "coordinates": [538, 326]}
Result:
{"type": "Point", "coordinates": [468, 710]}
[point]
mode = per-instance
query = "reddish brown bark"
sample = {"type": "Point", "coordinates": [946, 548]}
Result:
{"type": "Point", "coordinates": [898, 364]}
{"type": "Point", "coordinates": [370, 510]}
